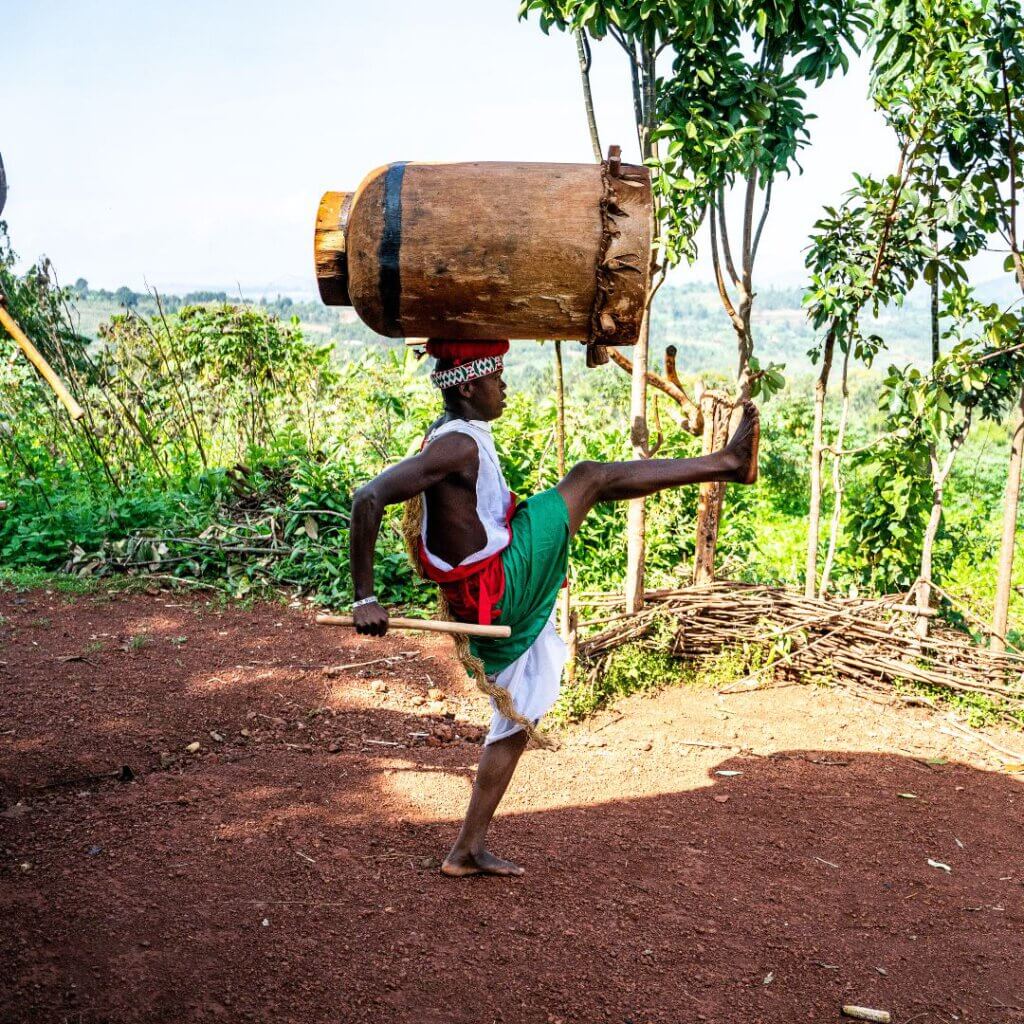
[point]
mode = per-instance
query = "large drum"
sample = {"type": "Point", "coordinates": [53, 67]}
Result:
{"type": "Point", "coordinates": [491, 250]}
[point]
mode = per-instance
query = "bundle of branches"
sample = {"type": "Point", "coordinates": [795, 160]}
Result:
{"type": "Point", "coordinates": [863, 644]}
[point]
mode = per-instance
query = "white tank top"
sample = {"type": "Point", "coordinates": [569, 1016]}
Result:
{"type": "Point", "coordinates": [493, 497]}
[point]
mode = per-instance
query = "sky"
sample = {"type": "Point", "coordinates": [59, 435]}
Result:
{"type": "Point", "coordinates": [186, 145]}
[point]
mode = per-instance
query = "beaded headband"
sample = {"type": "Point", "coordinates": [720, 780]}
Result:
{"type": "Point", "coordinates": [482, 367]}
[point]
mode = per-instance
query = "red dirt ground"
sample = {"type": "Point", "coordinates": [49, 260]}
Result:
{"type": "Point", "coordinates": [287, 871]}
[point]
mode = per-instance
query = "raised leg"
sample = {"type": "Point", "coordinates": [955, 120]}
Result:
{"type": "Point", "coordinates": [589, 483]}
{"type": "Point", "coordinates": [468, 855]}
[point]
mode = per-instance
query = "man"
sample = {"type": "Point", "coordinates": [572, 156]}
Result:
{"type": "Point", "coordinates": [497, 561]}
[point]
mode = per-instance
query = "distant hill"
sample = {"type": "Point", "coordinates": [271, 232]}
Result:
{"type": "Point", "coordinates": [689, 316]}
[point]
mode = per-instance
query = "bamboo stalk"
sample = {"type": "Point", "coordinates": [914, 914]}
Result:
{"type": "Point", "coordinates": [35, 357]}
{"type": "Point", "coordinates": [430, 625]}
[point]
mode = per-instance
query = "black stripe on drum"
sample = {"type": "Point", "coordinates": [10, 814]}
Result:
{"type": "Point", "coordinates": [390, 250]}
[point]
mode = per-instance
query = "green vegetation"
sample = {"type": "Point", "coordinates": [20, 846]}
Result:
{"type": "Point", "coordinates": [222, 446]}
{"type": "Point", "coordinates": [633, 668]}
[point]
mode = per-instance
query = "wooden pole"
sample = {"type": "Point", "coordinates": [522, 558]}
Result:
{"type": "Point", "coordinates": [583, 52]}
{"type": "Point", "coordinates": [430, 625]}
{"type": "Point", "coordinates": [567, 613]}
{"type": "Point", "coordinates": [716, 411]}
{"type": "Point", "coordinates": [36, 358]}
{"type": "Point", "coordinates": [1008, 541]}
{"type": "Point", "coordinates": [636, 518]}
{"type": "Point", "coordinates": [563, 597]}
{"type": "Point", "coordinates": [817, 461]}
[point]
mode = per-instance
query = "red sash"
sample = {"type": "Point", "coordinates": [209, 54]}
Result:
{"type": "Point", "coordinates": [473, 591]}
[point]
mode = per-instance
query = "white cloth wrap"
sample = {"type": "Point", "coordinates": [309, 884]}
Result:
{"type": "Point", "coordinates": [492, 494]}
{"type": "Point", "coordinates": [532, 680]}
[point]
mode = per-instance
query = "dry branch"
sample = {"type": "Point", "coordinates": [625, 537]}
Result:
{"type": "Point", "coordinates": [866, 645]}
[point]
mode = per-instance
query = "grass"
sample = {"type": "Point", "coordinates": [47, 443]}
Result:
{"type": "Point", "coordinates": [978, 709]}
{"type": "Point", "coordinates": [21, 580]}
{"type": "Point", "coordinates": [647, 665]}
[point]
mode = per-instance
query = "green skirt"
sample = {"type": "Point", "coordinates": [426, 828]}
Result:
{"type": "Point", "coordinates": [535, 565]}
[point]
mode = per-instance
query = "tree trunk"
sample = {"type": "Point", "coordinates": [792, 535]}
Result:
{"type": "Point", "coordinates": [583, 52]}
{"type": "Point", "coordinates": [924, 589]}
{"type": "Point", "coordinates": [814, 515]}
{"type": "Point", "coordinates": [934, 238]}
{"type": "Point", "coordinates": [716, 410]}
{"type": "Point", "coordinates": [1004, 583]}
{"type": "Point", "coordinates": [643, 76]}
{"type": "Point", "coordinates": [563, 602]}
{"type": "Point", "coordinates": [636, 522]}
{"type": "Point", "coordinates": [837, 480]}
{"type": "Point", "coordinates": [939, 476]}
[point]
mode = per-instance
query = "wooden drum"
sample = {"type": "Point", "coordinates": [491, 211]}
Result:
{"type": "Point", "coordinates": [492, 250]}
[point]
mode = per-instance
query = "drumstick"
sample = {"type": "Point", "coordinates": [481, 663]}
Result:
{"type": "Point", "coordinates": [431, 625]}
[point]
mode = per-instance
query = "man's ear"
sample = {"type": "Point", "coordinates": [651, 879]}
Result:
{"type": "Point", "coordinates": [467, 390]}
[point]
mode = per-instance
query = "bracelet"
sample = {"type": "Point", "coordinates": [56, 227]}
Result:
{"type": "Point", "coordinates": [363, 600]}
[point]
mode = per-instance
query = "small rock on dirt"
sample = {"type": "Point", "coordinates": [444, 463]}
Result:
{"type": "Point", "coordinates": [192, 748]}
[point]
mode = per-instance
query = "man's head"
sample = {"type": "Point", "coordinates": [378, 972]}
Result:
{"type": "Point", "coordinates": [469, 376]}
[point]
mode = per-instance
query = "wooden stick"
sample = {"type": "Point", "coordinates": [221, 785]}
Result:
{"type": "Point", "coordinates": [37, 360]}
{"type": "Point", "coordinates": [431, 625]}
{"type": "Point", "coordinates": [867, 1013]}
{"type": "Point", "coordinates": [954, 728]}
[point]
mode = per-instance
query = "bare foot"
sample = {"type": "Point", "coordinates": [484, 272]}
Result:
{"type": "Point", "coordinates": [744, 443]}
{"type": "Point", "coordinates": [458, 865]}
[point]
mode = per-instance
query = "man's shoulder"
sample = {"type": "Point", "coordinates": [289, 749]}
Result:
{"type": "Point", "coordinates": [455, 446]}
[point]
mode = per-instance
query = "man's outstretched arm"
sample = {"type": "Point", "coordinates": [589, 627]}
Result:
{"type": "Point", "coordinates": [397, 483]}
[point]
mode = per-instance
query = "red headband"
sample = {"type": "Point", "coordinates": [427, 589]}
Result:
{"type": "Point", "coordinates": [460, 352]}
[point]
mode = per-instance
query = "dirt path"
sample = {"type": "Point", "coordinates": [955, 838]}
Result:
{"type": "Point", "coordinates": [690, 857]}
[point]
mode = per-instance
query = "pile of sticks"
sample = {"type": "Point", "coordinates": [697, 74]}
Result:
{"type": "Point", "coordinates": [867, 645]}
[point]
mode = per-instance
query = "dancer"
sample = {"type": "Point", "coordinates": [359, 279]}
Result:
{"type": "Point", "coordinates": [499, 561]}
